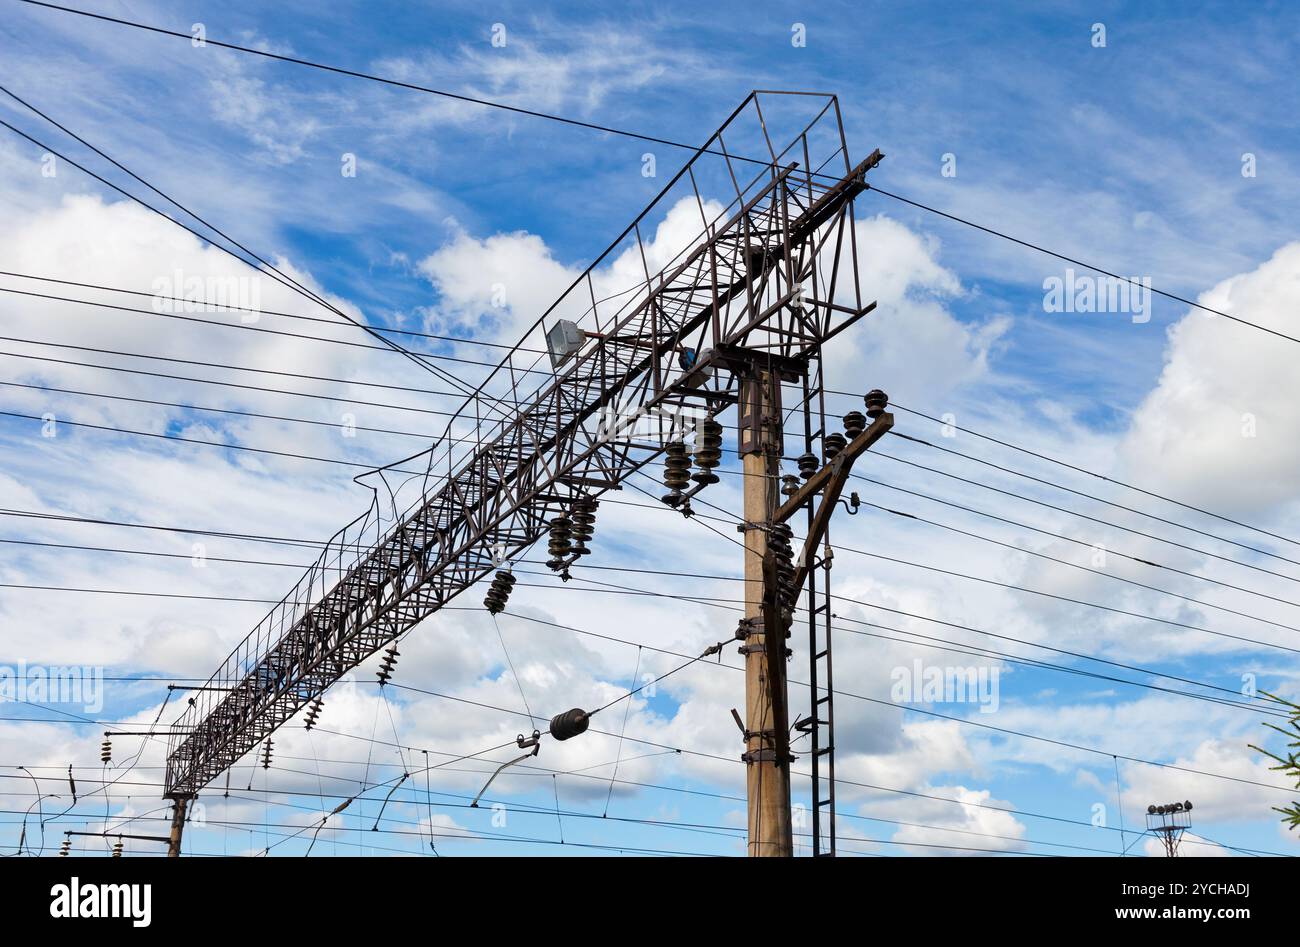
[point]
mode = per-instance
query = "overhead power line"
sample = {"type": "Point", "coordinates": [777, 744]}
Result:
{"type": "Point", "coordinates": [412, 87]}
{"type": "Point", "coordinates": [895, 560]}
{"type": "Point", "coordinates": [203, 304]}
{"type": "Point", "coordinates": [199, 442]}
{"type": "Point", "coordinates": [488, 364]}
{"type": "Point", "coordinates": [235, 368]}
{"type": "Point", "coordinates": [1074, 565]}
{"type": "Point", "coordinates": [926, 640]}
{"type": "Point", "coordinates": [247, 327]}
{"type": "Point", "coordinates": [963, 647]}
{"type": "Point", "coordinates": [1006, 731]}
{"type": "Point", "coordinates": [1069, 512]}
{"type": "Point", "coordinates": [1089, 496]}
{"type": "Point", "coordinates": [224, 384]}
{"type": "Point", "coordinates": [900, 791]}
{"type": "Point", "coordinates": [335, 425]}
{"type": "Point", "coordinates": [540, 771]}
{"type": "Point", "coordinates": [209, 305]}
{"type": "Point", "coordinates": [990, 438]}
{"type": "Point", "coordinates": [270, 269]}
{"type": "Point", "coordinates": [1077, 262]}
{"type": "Point", "coordinates": [1073, 539]}
{"type": "Point", "coordinates": [653, 139]}
{"type": "Point", "coordinates": [1084, 470]}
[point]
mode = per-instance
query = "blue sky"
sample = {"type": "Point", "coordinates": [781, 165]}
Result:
{"type": "Point", "coordinates": [1127, 155]}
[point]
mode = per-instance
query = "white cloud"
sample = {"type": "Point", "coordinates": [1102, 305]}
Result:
{"type": "Point", "coordinates": [496, 286]}
{"type": "Point", "coordinates": [911, 345]}
{"type": "Point", "coordinates": [1192, 437]}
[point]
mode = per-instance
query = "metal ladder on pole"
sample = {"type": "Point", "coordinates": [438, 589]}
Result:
{"type": "Point", "coordinates": [820, 722]}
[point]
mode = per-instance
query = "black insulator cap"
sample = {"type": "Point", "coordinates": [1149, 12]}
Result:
{"type": "Point", "coordinates": [877, 401]}
{"type": "Point", "coordinates": [808, 465]}
{"type": "Point", "coordinates": [855, 422]}
{"type": "Point", "coordinates": [677, 468]}
{"type": "Point", "coordinates": [571, 723]}
{"type": "Point", "coordinates": [833, 444]}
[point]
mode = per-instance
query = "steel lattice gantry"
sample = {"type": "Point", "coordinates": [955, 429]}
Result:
{"type": "Point", "coordinates": [752, 285]}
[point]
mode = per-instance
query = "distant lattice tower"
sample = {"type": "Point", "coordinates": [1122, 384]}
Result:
{"type": "Point", "coordinates": [1168, 823]}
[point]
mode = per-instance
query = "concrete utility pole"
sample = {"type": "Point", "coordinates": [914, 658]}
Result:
{"type": "Point", "coordinates": [766, 732]}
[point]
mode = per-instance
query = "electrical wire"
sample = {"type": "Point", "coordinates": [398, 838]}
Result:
{"type": "Point", "coordinates": [1091, 473]}
{"type": "Point", "coordinates": [652, 139]}
{"type": "Point", "coordinates": [277, 274]}
{"type": "Point", "coordinates": [1089, 496]}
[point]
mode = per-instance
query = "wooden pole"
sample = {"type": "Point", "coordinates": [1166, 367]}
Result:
{"type": "Point", "coordinates": [768, 769]}
{"type": "Point", "coordinates": [179, 804]}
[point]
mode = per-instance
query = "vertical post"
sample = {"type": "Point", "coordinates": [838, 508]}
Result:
{"type": "Point", "coordinates": [768, 768]}
{"type": "Point", "coordinates": [179, 805]}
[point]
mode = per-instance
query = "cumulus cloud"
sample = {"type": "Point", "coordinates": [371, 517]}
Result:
{"type": "Point", "coordinates": [496, 286]}
{"type": "Point", "coordinates": [1214, 430]}
{"type": "Point", "coordinates": [911, 345]}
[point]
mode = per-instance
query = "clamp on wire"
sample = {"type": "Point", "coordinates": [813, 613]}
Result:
{"type": "Point", "coordinates": [533, 744]}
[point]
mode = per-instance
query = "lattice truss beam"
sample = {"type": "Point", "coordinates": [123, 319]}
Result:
{"type": "Point", "coordinates": [752, 285]}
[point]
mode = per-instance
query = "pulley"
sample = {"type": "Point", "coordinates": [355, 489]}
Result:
{"type": "Point", "coordinates": [569, 724]}
{"type": "Point", "coordinates": [499, 591]}
{"type": "Point", "coordinates": [877, 401]}
{"type": "Point", "coordinates": [677, 471]}
{"type": "Point", "coordinates": [708, 451]}
{"type": "Point", "coordinates": [584, 524]}
{"type": "Point", "coordinates": [386, 666]}
{"type": "Point", "coordinates": [561, 542]}
{"type": "Point", "coordinates": [833, 445]}
{"type": "Point", "coordinates": [855, 422]}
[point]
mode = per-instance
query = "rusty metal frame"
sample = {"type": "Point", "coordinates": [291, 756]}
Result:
{"type": "Point", "coordinates": [495, 479]}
